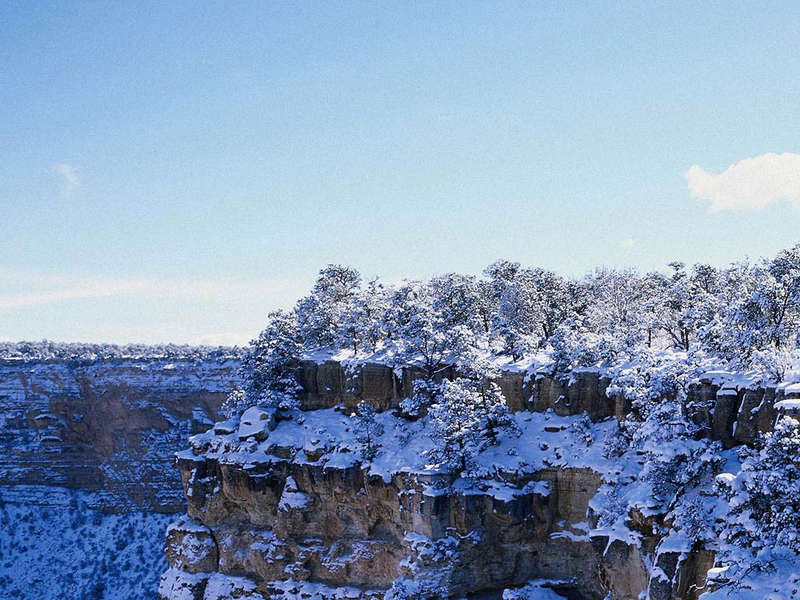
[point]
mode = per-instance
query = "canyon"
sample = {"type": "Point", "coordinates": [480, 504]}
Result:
{"type": "Point", "coordinates": [87, 482]}
{"type": "Point", "coordinates": [283, 509]}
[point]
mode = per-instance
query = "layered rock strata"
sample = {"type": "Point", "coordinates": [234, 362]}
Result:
{"type": "Point", "coordinates": [279, 523]}
{"type": "Point", "coordinates": [283, 515]}
{"type": "Point", "coordinates": [106, 427]}
{"type": "Point", "coordinates": [110, 428]}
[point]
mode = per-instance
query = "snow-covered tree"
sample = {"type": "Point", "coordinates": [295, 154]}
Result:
{"type": "Point", "coordinates": [424, 391]}
{"type": "Point", "coordinates": [234, 404]}
{"type": "Point", "coordinates": [686, 304]}
{"type": "Point", "coordinates": [764, 498]}
{"type": "Point", "coordinates": [615, 312]}
{"type": "Point", "coordinates": [576, 344]}
{"type": "Point", "coordinates": [424, 333]}
{"type": "Point", "coordinates": [362, 324]}
{"type": "Point", "coordinates": [531, 304]}
{"type": "Point", "coordinates": [428, 572]}
{"type": "Point", "coordinates": [780, 296]}
{"type": "Point", "coordinates": [758, 312]}
{"type": "Point", "coordinates": [268, 368]}
{"type": "Point", "coordinates": [46, 350]}
{"type": "Point", "coordinates": [367, 430]}
{"type": "Point", "coordinates": [456, 298]}
{"type": "Point", "coordinates": [320, 314]}
{"type": "Point", "coordinates": [467, 417]}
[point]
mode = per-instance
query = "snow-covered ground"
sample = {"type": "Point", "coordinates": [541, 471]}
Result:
{"type": "Point", "coordinates": [326, 437]}
{"type": "Point", "coordinates": [58, 548]}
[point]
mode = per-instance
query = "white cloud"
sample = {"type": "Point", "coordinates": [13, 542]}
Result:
{"type": "Point", "coordinates": [750, 183]}
{"type": "Point", "coordinates": [31, 289]}
{"type": "Point", "coordinates": [147, 309]}
{"type": "Point", "coordinates": [69, 174]}
{"type": "Point", "coordinates": [627, 243]}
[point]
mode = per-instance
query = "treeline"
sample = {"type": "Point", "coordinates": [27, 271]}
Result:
{"type": "Point", "coordinates": [82, 352]}
{"type": "Point", "coordinates": [747, 315]}
{"type": "Point", "coordinates": [652, 334]}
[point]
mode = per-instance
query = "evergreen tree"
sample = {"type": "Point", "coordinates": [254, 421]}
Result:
{"type": "Point", "coordinates": [321, 313]}
{"type": "Point", "coordinates": [368, 431]}
{"type": "Point", "coordinates": [423, 332]}
{"type": "Point", "coordinates": [764, 498]}
{"type": "Point", "coordinates": [268, 368]}
{"type": "Point", "coordinates": [466, 418]}
{"type": "Point", "coordinates": [362, 324]}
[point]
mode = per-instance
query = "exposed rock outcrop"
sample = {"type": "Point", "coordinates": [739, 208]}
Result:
{"type": "Point", "coordinates": [106, 427]}
{"type": "Point", "coordinates": [732, 414]}
{"type": "Point", "coordinates": [288, 521]}
{"type": "Point", "coordinates": [329, 383]}
{"type": "Point", "coordinates": [341, 528]}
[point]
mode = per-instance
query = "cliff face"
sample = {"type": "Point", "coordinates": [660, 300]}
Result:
{"type": "Point", "coordinates": [87, 463]}
{"type": "Point", "coordinates": [87, 482]}
{"type": "Point", "coordinates": [109, 427]}
{"type": "Point", "coordinates": [332, 528]}
{"type": "Point", "coordinates": [286, 510]}
{"type": "Point", "coordinates": [112, 427]}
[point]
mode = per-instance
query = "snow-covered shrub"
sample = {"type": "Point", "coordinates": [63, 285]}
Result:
{"type": "Point", "coordinates": [581, 429]}
{"type": "Point", "coordinates": [234, 404]}
{"type": "Point", "coordinates": [367, 431]}
{"type": "Point", "coordinates": [466, 418]}
{"type": "Point", "coordinates": [427, 572]}
{"type": "Point", "coordinates": [648, 377]}
{"type": "Point", "coordinates": [773, 363]}
{"type": "Point", "coordinates": [573, 345]}
{"type": "Point", "coordinates": [693, 515]}
{"type": "Point", "coordinates": [764, 497]}
{"type": "Point", "coordinates": [423, 394]}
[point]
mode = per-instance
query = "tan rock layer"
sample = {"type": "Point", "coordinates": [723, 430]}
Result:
{"type": "Point", "coordinates": [354, 529]}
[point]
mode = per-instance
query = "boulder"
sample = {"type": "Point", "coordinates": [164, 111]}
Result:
{"type": "Point", "coordinates": [255, 423]}
{"type": "Point", "coordinates": [191, 547]}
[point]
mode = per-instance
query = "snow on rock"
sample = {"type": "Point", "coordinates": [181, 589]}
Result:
{"type": "Point", "coordinates": [788, 407]}
{"type": "Point", "coordinates": [87, 478]}
{"type": "Point", "coordinates": [255, 422]}
{"type": "Point", "coordinates": [54, 545]}
{"type": "Point", "coordinates": [534, 590]}
{"type": "Point", "coordinates": [292, 498]}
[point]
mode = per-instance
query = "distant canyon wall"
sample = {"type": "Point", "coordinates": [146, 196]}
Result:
{"type": "Point", "coordinates": [110, 428]}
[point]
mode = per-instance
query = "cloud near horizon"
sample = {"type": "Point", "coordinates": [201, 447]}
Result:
{"type": "Point", "coordinates": [201, 311]}
{"type": "Point", "coordinates": [41, 289]}
{"type": "Point", "coordinates": [752, 183]}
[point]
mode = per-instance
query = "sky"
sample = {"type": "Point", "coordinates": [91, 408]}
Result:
{"type": "Point", "coordinates": [173, 171]}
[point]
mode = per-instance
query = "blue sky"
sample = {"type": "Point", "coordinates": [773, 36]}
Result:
{"type": "Point", "coordinates": [173, 171]}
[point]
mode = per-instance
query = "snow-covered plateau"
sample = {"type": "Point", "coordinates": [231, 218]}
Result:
{"type": "Point", "coordinates": [618, 436]}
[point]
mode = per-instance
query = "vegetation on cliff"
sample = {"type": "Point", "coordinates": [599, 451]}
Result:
{"type": "Point", "coordinates": [651, 335]}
